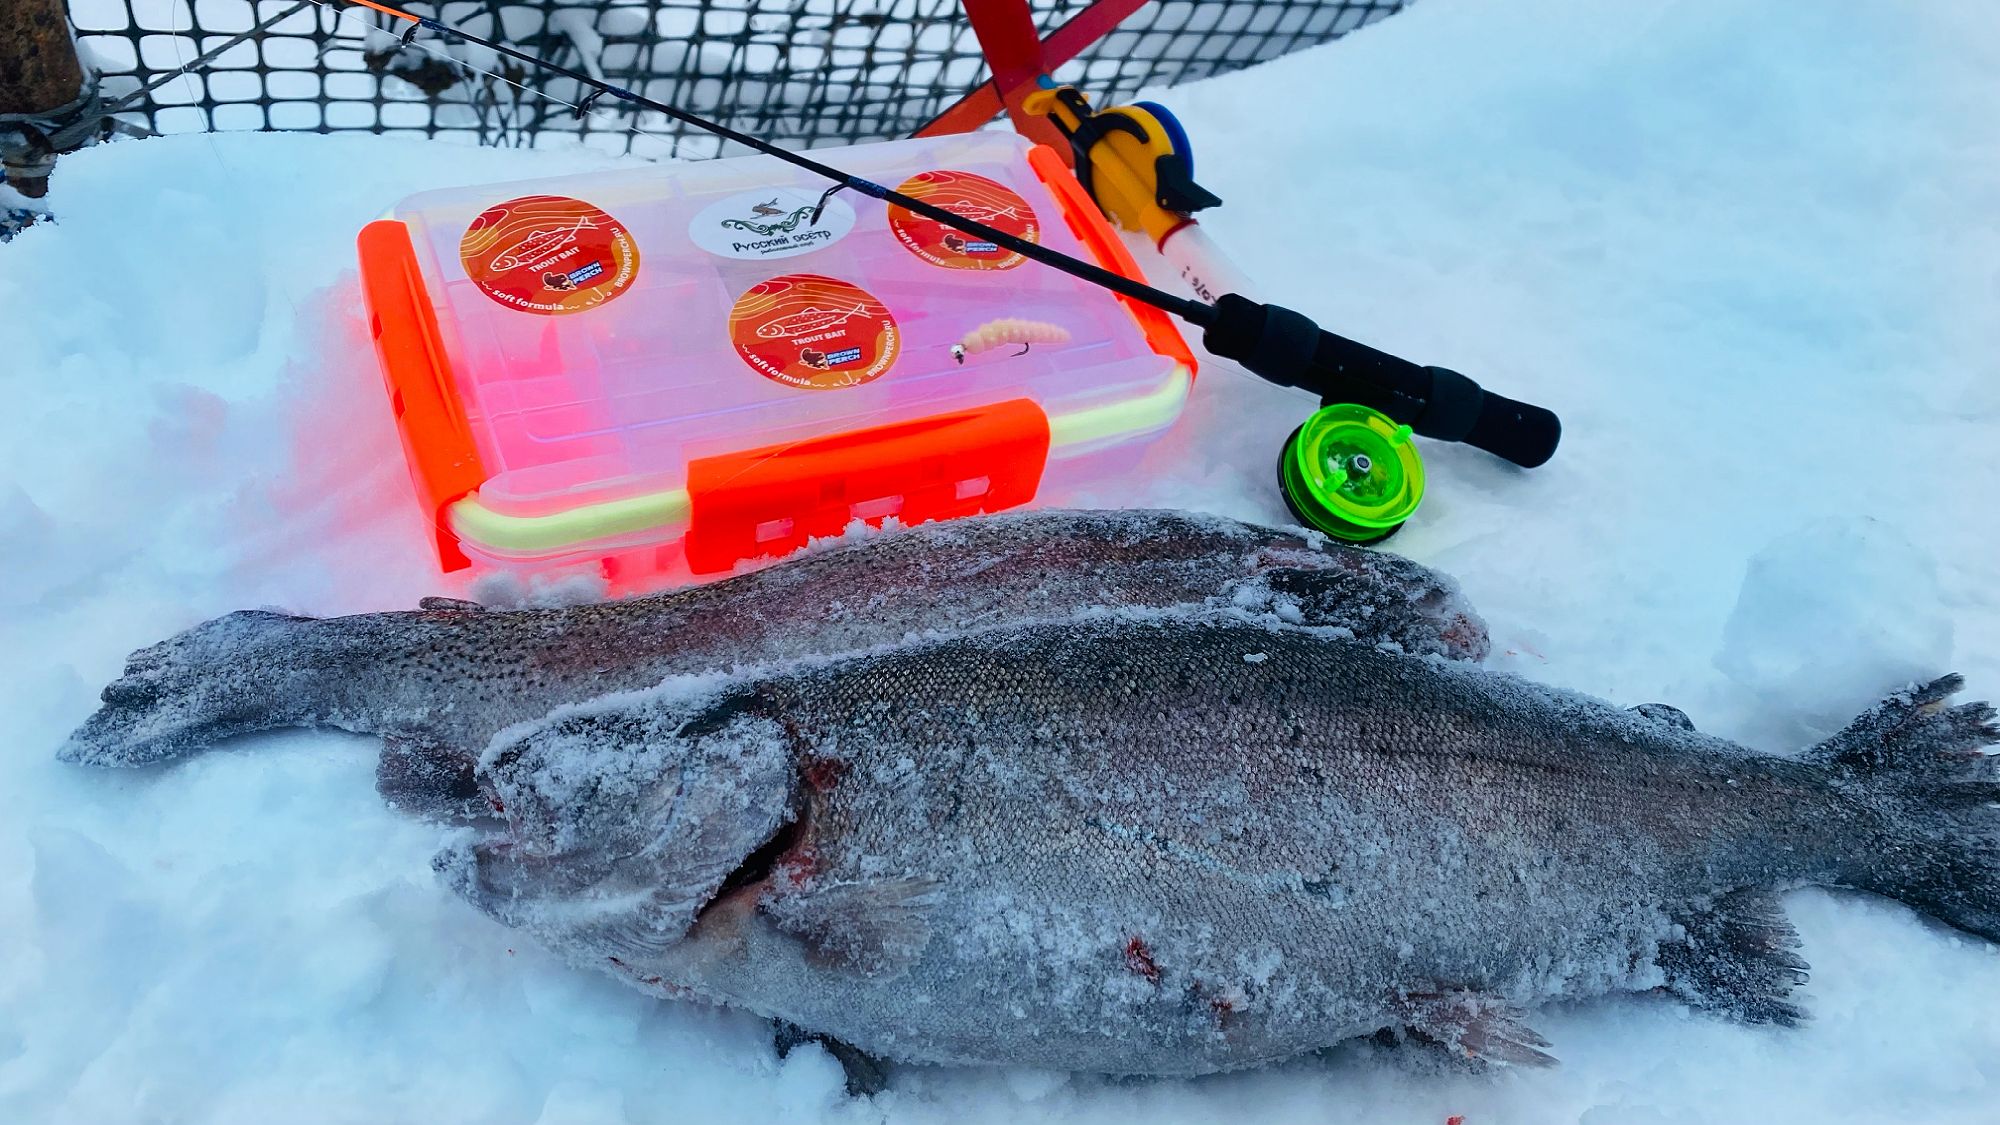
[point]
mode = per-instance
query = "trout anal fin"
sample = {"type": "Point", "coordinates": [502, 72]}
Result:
{"type": "Point", "coordinates": [866, 1075]}
{"type": "Point", "coordinates": [1736, 956]}
{"type": "Point", "coordinates": [429, 779]}
{"type": "Point", "coordinates": [1472, 1026]}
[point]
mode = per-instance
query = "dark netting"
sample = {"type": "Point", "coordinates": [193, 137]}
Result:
{"type": "Point", "coordinates": [800, 72]}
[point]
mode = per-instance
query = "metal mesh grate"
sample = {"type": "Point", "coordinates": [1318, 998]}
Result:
{"type": "Point", "coordinates": [800, 72]}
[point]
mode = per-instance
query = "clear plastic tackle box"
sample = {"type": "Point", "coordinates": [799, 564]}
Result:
{"type": "Point", "coordinates": [677, 367]}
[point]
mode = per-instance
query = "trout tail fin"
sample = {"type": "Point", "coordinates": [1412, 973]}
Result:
{"type": "Point", "coordinates": [1920, 763]}
{"type": "Point", "coordinates": [238, 673]}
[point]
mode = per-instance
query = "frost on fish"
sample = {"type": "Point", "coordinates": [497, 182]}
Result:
{"type": "Point", "coordinates": [441, 680]}
{"type": "Point", "coordinates": [1116, 845]}
{"type": "Point", "coordinates": [638, 814]}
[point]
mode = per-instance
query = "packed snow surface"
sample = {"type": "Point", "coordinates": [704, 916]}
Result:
{"type": "Point", "coordinates": [1747, 251]}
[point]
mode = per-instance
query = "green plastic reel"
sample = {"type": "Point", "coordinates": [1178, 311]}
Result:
{"type": "Point", "coordinates": [1352, 473]}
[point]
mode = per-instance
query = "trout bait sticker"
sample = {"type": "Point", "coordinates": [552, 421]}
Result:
{"type": "Point", "coordinates": [814, 332]}
{"type": "Point", "coordinates": [549, 254]}
{"type": "Point", "coordinates": [967, 196]}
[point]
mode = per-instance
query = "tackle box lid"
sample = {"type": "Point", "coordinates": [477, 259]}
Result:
{"type": "Point", "coordinates": [587, 360]}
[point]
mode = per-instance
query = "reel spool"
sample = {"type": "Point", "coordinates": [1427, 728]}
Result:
{"type": "Point", "coordinates": [1352, 473]}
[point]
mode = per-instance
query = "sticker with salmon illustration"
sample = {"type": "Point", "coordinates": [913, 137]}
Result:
{"type": "Point", "coordinates": [971, 197]}
{"type": "Point", "coordinates": [814, 332]}
{"type": "Point", "coordinates": [549, 254]}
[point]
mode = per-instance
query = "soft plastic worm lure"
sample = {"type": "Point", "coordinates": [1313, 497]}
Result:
{"type": "Point", "coordinates": [1008, 330]}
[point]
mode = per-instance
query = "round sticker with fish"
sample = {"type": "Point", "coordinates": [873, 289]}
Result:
{"type": "Point", "coordinates": [972, 197]}
{"type": "Point", "coordinates": [549, 254]}
{"type": "Point", "coordinates": [813, 332]}
{"type": "Point", "coordinates": [771, 223]}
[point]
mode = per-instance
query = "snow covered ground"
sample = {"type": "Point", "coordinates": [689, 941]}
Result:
{"type": "Point", "coordinates": [1749, 251]}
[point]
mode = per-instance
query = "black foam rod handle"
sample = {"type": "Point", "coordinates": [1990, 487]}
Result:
{"type": "Point", "coordinates": [1457, 409]}
{"type": "Point", "coordinates": [1520, 432]}
{"type": "Point", "coordinates": [1289, 349]}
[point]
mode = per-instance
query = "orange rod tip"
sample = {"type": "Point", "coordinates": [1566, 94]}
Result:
{"type": "Point", "coordinates": [386, 10]}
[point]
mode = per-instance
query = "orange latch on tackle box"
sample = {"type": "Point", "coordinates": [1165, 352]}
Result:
{"type": "Point", "coordinates": [776, 499]}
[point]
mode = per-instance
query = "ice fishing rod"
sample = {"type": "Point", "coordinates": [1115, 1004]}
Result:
{"type": "Point", "coordinates": [1276, 343]}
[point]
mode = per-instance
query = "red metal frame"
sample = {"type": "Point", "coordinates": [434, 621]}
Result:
{"type": "Point", "coordinates": [1018, 58]}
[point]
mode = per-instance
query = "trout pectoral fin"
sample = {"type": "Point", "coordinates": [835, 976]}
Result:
{"type": "Point", "coordinates": [1473, 1026]}
{"type": "Point", "coordinates": [871, 928]}
{"type": "Point", "coordinates": [1736, 957]}
{"type": "Point", "coordinates": [866, 1075]}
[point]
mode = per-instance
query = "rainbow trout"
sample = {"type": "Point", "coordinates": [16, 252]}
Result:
{"type": "Point", "coordinates": [439, 681]}
{"type": "Point", "coordinates": [1147, 845]}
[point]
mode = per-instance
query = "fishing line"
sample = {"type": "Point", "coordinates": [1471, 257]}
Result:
{"type": "Point", "coordinates": [368, 30]}
{"type": "Point", "coordinates": [1194, 312]}
{"type": "Point", "coordinates": [1272, 342]}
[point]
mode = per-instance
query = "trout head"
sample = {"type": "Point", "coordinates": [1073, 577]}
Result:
{"type": "Point", "coordinates": [626, 817]}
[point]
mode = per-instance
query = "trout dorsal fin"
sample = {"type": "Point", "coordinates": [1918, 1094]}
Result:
{"type": "Point", "coordinates": [1735, 956]}
{"type": "Point", "coordinates": [1665, 714]}
{"type": "Point", "coordinates": [1382, 599]}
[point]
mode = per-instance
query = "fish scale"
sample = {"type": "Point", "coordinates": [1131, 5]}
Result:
{"type": "Point", "coordinates": [1124, 809]}
{"type": "Point", "coordinates": [1075, 790]}
{"type": "Point", "coordinates": [1161, 846]}
{"type": "Point", "coordinates": [444, 680]}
